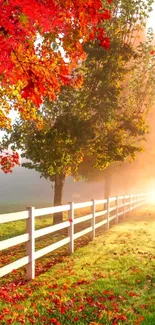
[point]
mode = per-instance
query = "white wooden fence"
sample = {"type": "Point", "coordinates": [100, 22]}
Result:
{"type": "Point", "coordinates": [118, 205]}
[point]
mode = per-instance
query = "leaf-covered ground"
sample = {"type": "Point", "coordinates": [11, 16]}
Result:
{"type": "Point", "coordinates": [13, 229]}
{"type": "Point", "coordinates": [110, 281]}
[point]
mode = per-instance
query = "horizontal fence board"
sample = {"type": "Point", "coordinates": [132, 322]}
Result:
{"type": "Point", "coordinates": [120, 213]}
{"type": "Point", "coordinates": [112, 209]}
{"type": "Point", "coordinates": [112, 217]}
{"type": "Point", "coordinates": [14, 266]}
{"type": "Point", "coordinates": [15, 216]}
{"type": "Point", "coordinates": [82, 219]}
{"type": "Point", "coordinates": [97, 202]}
{"type": "Point", "coordinates": [83, 205]}
{"type": "Point", "coordinates": [7, 243]}
{"type": "Point", "coordinates": [135, 201]}
{"type": "Point", "coordinates": [121, 197]}
{"type": "Point", "coordinates": [83, 232]}
{"type": "Point", "coordinates": [120, 206]}
{"type": "Point", "coordinates": [101, 223]}
{"type": "Point", "coordinates": [51, 210]}
{"type": "Point", "coordinates": [51, 248]}
{"type": "Point", "coordinates": [100, 213]}
{"type": "Point", "coordinates": [51, 229]}
{"type": "Point", "coordinates": [112, 199]}
{"type": "Point", "coordinates": [127, 203]}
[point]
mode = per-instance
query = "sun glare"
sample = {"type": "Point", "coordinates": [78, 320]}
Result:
{"type": "Point", "coordinates": [152, 198]}
{"type": "Point", "coordinates": [151, 19]}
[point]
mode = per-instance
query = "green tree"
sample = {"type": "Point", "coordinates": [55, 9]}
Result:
{"type": "Point", "coordinates": [104, 119]}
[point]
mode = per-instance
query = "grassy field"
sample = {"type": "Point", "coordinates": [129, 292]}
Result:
{"type": "Point", "coordinates": [110, 281]}
{"type": "Point", "coordinates": [12, 229]}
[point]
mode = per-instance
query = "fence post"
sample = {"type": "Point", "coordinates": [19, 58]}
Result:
{"type": "Point", "coordinates": [133, 204]}
{"type": "Point", "coordinates": [140, 199]}
{"type": "Point", "coordinates": [30, 246]}
{"type": "Point", "coordinates": [116, 209]}
{"type": "Point", "coordinates": [108, 212]}
{"type": "Point", "coordinates": [136, 201]}
{"type": "Point", "coordinates": [130, 203]}
{"type": "Point", "coordinates": [124, 207]}
{"type": "Point", "coordinates": [71, 228]}
{"type": "Point", "coordinates": [93, 220]}
{"type": "Point", "coordinates": [134, 198]}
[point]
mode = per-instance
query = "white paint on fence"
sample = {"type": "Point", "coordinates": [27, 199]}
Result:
{"type": "Point", "coordinates": [13, 216]}
{"type": "Point", "coordinates": [108, 212]}
{"type": "Point", "coordinates": [51, 248]}
{"type": "Point", "coordinates": [130, 202]}
{"type": "Point", "coordinates": [93, 220]}
{"type": "Point", "coordinates": [100, 213]}
{"type": "Point", "coordinates": [71, 229]}
{"type": "Point", "coordinates": [116, 220]}
{"type": "Point", "coordinates": [7, 243]}
{"type": "Point", "coordinates": [46, 211]}
{"type": "Point", "coordinates": [100, 224]}
{"type": "Point", "coordinates": [30, 245]}
{"type": "Point", "coordinates": [82, 219]}
{"type": "Point", "coordinates": [51, 229]}
{"type": "Point", "coordinates": [100, 201]}
{"type": "Point", "coordinates": [14, 266]}
{"type": "Point", "coordinates": [124, 207]}
{"type": "Point", "coordinates": [83, 205]}
{"type": "Point", "coordinates": [83, 232]}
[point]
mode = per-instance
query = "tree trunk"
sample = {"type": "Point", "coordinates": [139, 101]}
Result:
{"type": "Point", "coordinates": [58, 191]}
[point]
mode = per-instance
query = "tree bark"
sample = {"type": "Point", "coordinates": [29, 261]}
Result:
{"type": "Point", "coordinates": [58, 191]}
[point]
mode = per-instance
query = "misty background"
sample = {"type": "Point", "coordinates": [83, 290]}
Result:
{"type": "Point", "coordinates": [24, 187]}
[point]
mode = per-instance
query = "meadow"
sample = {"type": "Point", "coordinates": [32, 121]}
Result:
{"type": "Point", "coordinates": [108, 281]}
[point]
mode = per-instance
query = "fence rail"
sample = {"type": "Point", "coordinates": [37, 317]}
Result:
{"type": "Point", "coordinates": [120, 205]}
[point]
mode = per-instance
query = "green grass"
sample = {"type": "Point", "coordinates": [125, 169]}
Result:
{"type": "Point", "coordinates": [12, 229]}
{"type": "Point", "coordinates": [16, 228]}
{"type": "Point", "coordinates": [107, 282]}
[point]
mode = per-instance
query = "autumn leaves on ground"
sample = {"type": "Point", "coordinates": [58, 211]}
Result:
{"type": "Point", "coordinates": [109, 281]}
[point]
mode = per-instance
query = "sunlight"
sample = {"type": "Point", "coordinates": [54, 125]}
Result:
{"type": "Point", "coordinates": [152, 197]}
{"type": "Point", "coordinates": [151, 19]}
